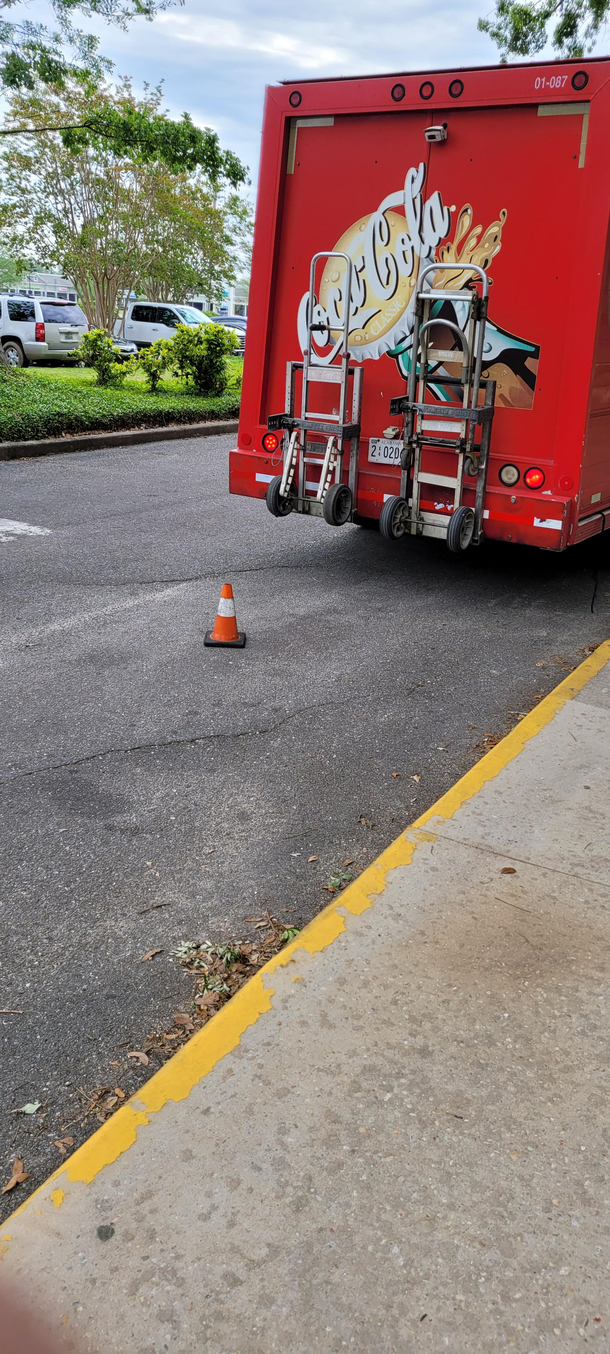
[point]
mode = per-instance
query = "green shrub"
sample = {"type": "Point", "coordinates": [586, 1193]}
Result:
{"type": "Point", "coordinates": [154, 361]}
{"type": "Point", "coordinates": [199, 356]}
{"type": "Point", "coordinates": [99, 352]}
{"type": "Point", "coordinates": [49, 402]}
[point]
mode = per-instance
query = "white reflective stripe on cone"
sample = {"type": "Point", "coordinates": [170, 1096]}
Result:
{"type": "Point", "coordinates": [226, 606]}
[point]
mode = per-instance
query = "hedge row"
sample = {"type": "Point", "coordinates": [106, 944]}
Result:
{"type": "Point", "coordinates": [34, 408]}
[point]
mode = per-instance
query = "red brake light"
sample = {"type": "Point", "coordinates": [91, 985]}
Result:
{"type": "Point", "coordinates": [39, 331]}
{"type": "Point", "coordinates": [534, 478]}
{"type": "Point", "coordinates": [271, 442]}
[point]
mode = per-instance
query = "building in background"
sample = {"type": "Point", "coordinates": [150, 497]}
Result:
{"type": "Point", "coordinates": [234, 300]}
{"type": "Point", "coordinates": [43, 284]}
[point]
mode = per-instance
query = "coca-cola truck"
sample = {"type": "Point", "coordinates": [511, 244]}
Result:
{"type": "Point", "coordinates": [429, 341]}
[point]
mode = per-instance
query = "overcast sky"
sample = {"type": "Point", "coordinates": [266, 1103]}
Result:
{"type": "Point", "coordinates": [216, 56]}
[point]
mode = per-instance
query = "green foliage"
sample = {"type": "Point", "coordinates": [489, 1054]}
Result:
{"type": "Point", "coordinates": [43, 402]}
{"type": "Point", "coordinates": [523, 29]}
{"type": "Point", "coordinates": [136, 133]}
{"type": "Point", "coordinates": [114, 224]}
{"type": "Point", "coordinates": [289, 934]}
{"type": "Point", "coordinates": [31, 53]}
{"type": "Point", "coordinates": [153, 362]}
{"type": "Point", "coordinates": [9, 274]}
{"type": "Point", "coordinates": [199, 355]}
{"type": "Point", "coordinates": [99, 352]}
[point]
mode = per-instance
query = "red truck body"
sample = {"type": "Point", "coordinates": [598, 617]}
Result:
{"type": "Point", "coordinates": [521, 187]}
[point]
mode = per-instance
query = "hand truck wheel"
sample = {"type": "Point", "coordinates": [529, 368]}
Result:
{"type": "Point", "coordinates": [394, 519]}
{"type": "Point", "coordinates": [460, 530]}
{"type": "Point", "coordinates": [278, 506]}
{"type": "Point", "coordinates": [337, 506]}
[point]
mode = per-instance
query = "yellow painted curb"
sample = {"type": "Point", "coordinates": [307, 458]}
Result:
{"type": "Point", "coordinates": [177, 1078]}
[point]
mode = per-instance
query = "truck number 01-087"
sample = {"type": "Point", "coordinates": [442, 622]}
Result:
{"type": "Point", "coordinates": [550, 81]}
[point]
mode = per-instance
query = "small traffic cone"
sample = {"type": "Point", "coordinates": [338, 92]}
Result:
{"type": "Point", "coordinates": [225, 630]}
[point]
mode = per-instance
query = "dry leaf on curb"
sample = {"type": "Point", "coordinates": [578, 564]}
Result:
{"type": "Point", "coordinates": [18, 1176]}
{"type": "Point", "coordinates": [109, 1103]}
{"type": "Point", "coordinates": [310, 858]}
{"type": "Point", "coordinates": [181, 1018]}
{"type": "Point", "coordinates": [508, 869]}
{"type": "Point", "coordinates": [120, 1095]}
{"type": "Point", "coordinates": [141, 1057]}
{"type": "Point", "coordinates": [253, 918]}
{"type": "Point", "coordinates": [347, 861]}
{"type": "Point", "coordinates": [151, 954]}
{"type": "Point", "coordinates": [63, 1144]}
{"type": "Point", "coordinates": [260, 924]}
{"type": "Point", "coordinates": [207, 999]}
{"type": "Point", "coordinates": [418, 778]}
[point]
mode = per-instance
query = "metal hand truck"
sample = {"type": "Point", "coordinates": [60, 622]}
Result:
{"type": "Point", "coordinates": [461, 524]}
{"type": "Point", "coordinates": [329, 497]}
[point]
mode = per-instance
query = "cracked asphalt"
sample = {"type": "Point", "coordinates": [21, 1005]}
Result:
{"type": "Point", "coordinates": [154, 790]}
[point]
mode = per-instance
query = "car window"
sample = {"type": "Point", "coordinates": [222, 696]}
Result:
{"type": "Point", "coordinates": [145, 314]}
{"type": "Point", "coordinates": [55, 312]}
{"type": "Point", "coordinates": [192, 316]}
{"type": "Point", "coordinates": [167, 315]}
{"type": "Point", "coordinates": [21, 310]}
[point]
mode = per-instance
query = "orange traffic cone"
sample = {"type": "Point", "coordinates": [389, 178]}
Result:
{"type": "Point", "coordinates": [225, 630]}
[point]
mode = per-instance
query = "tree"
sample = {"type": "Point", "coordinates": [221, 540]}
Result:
{"type": "Point", "coordinates": [523, 27]}
{"type": "Point", "coordinates": [114, 224]}
{"type": "Point", "coordinates": [30, 52]}
{"type": "Point", "coordinates": [9, 272]}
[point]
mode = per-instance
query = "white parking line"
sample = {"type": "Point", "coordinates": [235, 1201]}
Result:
{"type": "Point", "coordinates": [10, 529]}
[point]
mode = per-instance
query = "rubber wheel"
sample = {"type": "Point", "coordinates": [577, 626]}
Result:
{"type": "Point", "coordinates": [337, 507]}
{"type": "Point", "coordinates": [460, 530]}
{"type": "Point", "coordinates": [278, 506]}
{"type": "Point", "coordinates": [14, 354]}
{"type": "Point", "coordinates": [394, 519]}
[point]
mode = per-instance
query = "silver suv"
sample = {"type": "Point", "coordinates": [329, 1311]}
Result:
{"type": "Point", "coordinates": [33, 330]}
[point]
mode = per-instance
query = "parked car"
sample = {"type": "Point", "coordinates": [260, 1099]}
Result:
{"type": "Point", "coordinates": [237, 323]}
{"type": "Point", "coordinates": [33, 330]}
{"type": "Point", "coordinates": [146, 321]}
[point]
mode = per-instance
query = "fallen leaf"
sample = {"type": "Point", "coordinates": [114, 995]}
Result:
{"type": "Point", "coordinates": [347, 862]}
{"type": "Point", "coordinates": [182, 1019]}
{"type": "Point", "coordinates": [109, 1103]}
{"type": "Point", "coordinates": [18, 1176]}
{"type": "Point", "coordinates": [151, 954]}
{"type": "Point", "coordinates": [141, 1057]}
{"type": "Point", "coordinates": [64, 1144]}
{"type": "Point", "coordinates": [418, 778]}
{"type": "Point", "coordinates": [396, 775]}
{"type": "Point", "coordinates": [120, 1095]}
{"type": "Point", "coordinates": [207, 999]}
{"type": "Point", "coordinates": [508, 869]}
{"type": "Point", "coordinates": [260, 924]}
{"type": "Point", "coordinates": [253, 918]}
{"type": "Point", "coordinates": [310, 858]}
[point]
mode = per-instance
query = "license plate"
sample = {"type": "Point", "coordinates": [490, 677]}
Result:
{"type": "Point", "coordinates": [384, 450]}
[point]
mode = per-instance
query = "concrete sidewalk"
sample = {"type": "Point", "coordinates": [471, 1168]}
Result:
{"type": "Point", "coordinates": [394, 1138]}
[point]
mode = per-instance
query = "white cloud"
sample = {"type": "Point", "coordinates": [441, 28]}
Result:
{"type": "Point", "coordinates": [227, 35]}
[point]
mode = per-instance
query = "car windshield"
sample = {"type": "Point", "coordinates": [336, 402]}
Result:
{"type": "Point", "coordinates": [192, 316]}
{"type": "Point", "coordinates": [57, 313]}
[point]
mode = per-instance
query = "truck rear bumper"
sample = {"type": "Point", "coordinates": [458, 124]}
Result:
{"type": "Point", "coordinates": [545, 521]}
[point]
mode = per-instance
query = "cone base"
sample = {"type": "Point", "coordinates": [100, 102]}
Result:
{"type": "Point", "coordinates": [224, 643]}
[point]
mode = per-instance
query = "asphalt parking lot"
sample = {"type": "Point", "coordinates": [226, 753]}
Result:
{"type": "Point", "coordinates": [154, 790]}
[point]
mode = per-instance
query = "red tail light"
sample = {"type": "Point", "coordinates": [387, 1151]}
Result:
{"type": "Point", "coordinates": [40, 335]}
{"type": "Point", "coordinates": [271, 442]}
{"type": "Point", "coordinates": [534, 477]}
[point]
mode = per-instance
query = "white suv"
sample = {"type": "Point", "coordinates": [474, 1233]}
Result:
{"type": "Point", "coordinates": [146, 321]}
{"type": "Point", "coordinates": [33, 330]}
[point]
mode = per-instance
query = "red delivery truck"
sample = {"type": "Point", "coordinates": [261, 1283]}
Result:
{"type": "Point", "coordinates": [428, 327]}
